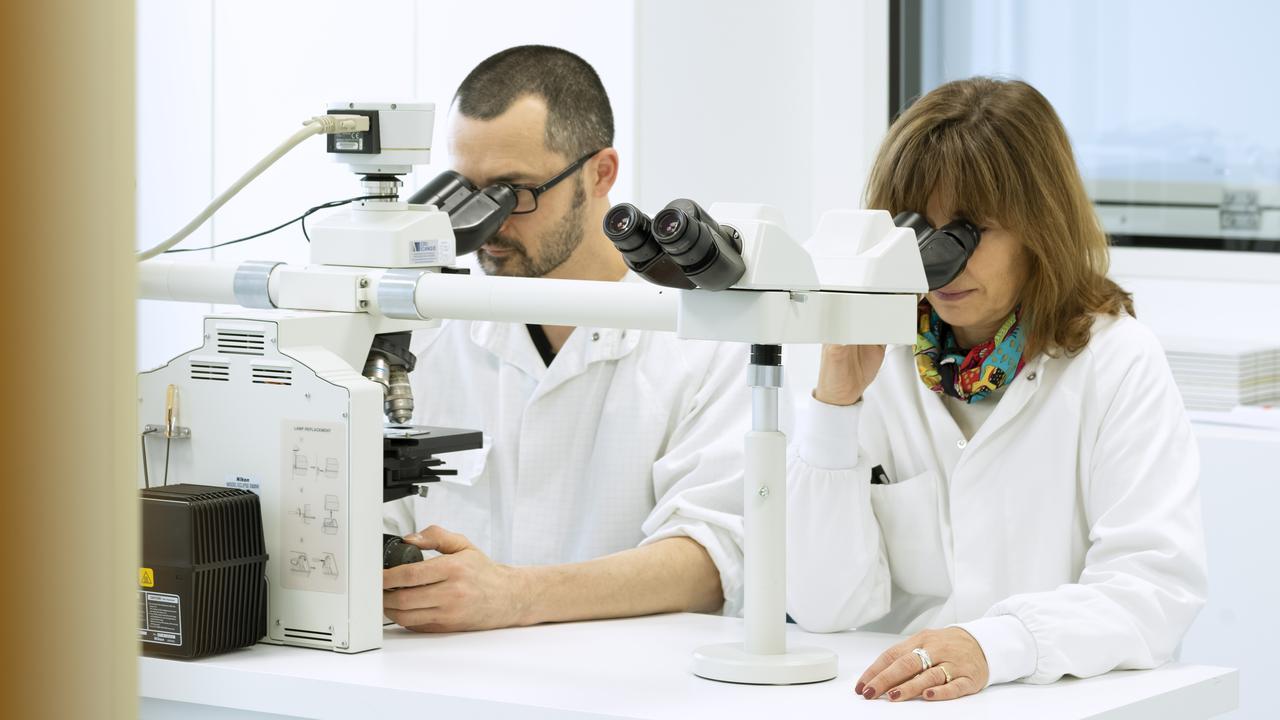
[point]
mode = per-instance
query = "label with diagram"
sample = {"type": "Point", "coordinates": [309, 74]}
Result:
{"type": "Point", "coordinates": [313, 533]}
{"type": "Point", "coordinates": [159, 618]}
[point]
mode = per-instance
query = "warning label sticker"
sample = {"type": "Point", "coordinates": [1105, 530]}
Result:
{"type": "Point", "coordinates": [159, 618]}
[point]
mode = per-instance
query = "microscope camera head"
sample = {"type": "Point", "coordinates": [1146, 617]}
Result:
{"type": "Point", "coordinates": [399, 137]}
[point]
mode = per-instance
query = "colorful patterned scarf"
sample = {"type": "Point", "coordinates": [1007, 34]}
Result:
{"type": "Point", "coordinates": [970, 375]}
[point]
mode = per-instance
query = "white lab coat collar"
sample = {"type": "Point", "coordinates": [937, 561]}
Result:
{"type": "Point", "coordinates": [510, 343]}
{"type": "Point", "coordinates": [1024, 387]}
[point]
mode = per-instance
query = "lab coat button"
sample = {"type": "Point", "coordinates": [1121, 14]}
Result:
{"type": "Point", "coordinates": [595, 337]}
{"type": "Point", "coordinates": [961, 443]}
{"type": "Point", "coordinates": [1032, 376]}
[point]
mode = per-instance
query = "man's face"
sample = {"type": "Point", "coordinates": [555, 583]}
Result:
{"type": "Point", "coordinates": [510, 148]}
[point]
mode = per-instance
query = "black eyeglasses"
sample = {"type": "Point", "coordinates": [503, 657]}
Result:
{"type": "Point", "coordinates": [527, 195]}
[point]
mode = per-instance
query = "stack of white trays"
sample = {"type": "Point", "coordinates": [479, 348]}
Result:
{"type": "Point", "coordinates": [1221, 374]}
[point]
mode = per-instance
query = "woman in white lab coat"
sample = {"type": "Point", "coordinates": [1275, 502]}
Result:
{"type": "Point", "coordinates": [1019, 490]}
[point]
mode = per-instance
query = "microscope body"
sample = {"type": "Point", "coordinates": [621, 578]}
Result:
{"type": "Point", "coordinates": [302, 397]}
{"type": "Point", "coordinates": [276, 403]}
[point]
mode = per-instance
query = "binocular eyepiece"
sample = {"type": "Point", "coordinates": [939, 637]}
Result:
{"type": "Point", "coordinates": [944, 251]}
{"type": "Point", "coordinates": [683, 247]}
{"type": "Point", "coordinates": [631, 232]}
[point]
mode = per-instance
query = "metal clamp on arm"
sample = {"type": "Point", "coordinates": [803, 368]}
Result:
{"type": "Point", "coordinates": [253, 283]}
{"type": "Point", "coordinates": [396, 292]}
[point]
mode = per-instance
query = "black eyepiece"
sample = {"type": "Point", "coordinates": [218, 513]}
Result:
{"type": "Point", "coordinates": [631, 232]}
{"type": "Point", "coordinates": [944, 251]}
{"type": "Point", "coordinates": [682, 247]}
{"type": "Point", "coordinates": [626, 226]}
{"type": "Point", "coordinates": [708, 252]}
{"type": "Point", "coordinates": [669, 224]}
{"type": "Point", "coordinates": [620, 221]}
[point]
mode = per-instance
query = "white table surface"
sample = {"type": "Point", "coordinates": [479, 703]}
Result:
{"type": "Point", "coordinates": [636, 668]}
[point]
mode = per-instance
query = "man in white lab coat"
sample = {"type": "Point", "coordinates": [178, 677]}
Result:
{"type": "Point", "coordinates": [609, 484]}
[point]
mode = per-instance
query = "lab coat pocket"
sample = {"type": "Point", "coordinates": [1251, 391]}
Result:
{"type": "Point", "coordinates": [469, 464]}
{"type": "Point", "coordinates": [908, 515]}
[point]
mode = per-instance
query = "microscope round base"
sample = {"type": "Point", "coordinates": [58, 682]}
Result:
{"type": "Point", "coordinates": [730, 662]}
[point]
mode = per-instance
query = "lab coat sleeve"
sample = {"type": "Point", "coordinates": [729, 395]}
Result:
{"type": "Point", "coordinates": [837, 567]}
{"type": "Point", "coordinates": [1144, 578]}
{"type": "Point", "coordinates": [697, 481]}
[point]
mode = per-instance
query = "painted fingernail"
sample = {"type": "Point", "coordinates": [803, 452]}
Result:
{"type": "Point", "coordinates": [928, 693]}
{"type": "Point", "coordinates": [895, 694]}
{"type": "Point", "coordinates": [870, 693]}
{"type": "Point", "coordinates": [859, 687]}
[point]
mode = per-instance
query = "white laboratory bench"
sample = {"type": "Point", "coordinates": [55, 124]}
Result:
{"type": "Point", "coordinates": [636, 668]}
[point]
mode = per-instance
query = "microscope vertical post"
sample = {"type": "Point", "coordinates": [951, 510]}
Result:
{"type": "Point", "coordinates": [763, 657]}
{"type": "Point", "coordinates": [765, 508]}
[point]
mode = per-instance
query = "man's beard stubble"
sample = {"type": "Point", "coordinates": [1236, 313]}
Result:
{"type": "Point", "coordinates": [558, 244]}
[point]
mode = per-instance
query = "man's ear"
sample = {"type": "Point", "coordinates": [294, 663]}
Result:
{"type": "Point", "coordinates": [603, 172]}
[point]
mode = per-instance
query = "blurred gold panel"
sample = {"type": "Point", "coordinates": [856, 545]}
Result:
{"type": "Point", "coordinates": [67, 359]}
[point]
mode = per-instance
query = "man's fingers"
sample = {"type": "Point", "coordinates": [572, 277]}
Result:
{"type": "Point", "coordinates": [429, 571]}
{"type": "Point", "coordinates": [434, 537]}
{"type": "Point", "coordinates": [958, 687]}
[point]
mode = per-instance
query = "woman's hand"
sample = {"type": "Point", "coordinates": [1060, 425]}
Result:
{"type": "Point", "coordinates": [897, 673]}
{"type": "Point", "coordinates": [846, 372]}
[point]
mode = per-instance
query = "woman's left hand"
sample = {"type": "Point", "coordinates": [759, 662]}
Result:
{"type": "Point", "coordinates": [897, 673]}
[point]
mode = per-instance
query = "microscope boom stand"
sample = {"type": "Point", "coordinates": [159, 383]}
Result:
{"type": "Point", "coordinates": [763, 658]}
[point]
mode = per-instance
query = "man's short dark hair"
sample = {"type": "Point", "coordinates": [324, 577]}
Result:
{"type": "Point", "coordinates": [579, 118]}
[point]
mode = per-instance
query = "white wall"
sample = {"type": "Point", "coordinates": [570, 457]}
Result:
{"type": "Point", "coordinates": [1200, 293]}
{"type": "Point", "coordinates": [175, 155]}
{"type": "Point", "coordinates": [760, 101]}
{"type": "Point", "coordinates": [726, 103]}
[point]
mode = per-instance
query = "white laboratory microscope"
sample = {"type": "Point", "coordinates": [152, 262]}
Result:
{"type": "Point", "coordinates": [291, 400]}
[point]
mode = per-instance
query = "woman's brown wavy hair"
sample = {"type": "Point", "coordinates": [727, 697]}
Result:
{"type": "Point", "coordinates": [998, 152]}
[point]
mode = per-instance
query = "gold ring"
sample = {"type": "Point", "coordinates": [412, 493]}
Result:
{"type": "Point", "coordinates": [943, 668]}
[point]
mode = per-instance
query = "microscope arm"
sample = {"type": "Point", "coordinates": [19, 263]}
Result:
{"type": "Point", "coordinates": [413, 294]}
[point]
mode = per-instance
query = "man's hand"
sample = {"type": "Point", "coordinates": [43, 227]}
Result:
{"type": "Point", "coordinates": [461, 589]}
